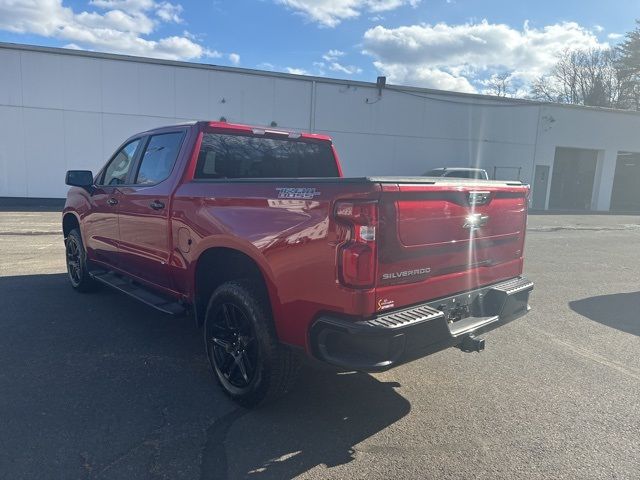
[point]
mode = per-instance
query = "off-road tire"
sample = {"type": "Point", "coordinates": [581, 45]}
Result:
{"type": "Point", "coordinates": [276, 366]}
{"type": "Point", "coordinates": [76, 260]}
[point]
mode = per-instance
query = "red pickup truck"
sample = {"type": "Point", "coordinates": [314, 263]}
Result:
{"type": "Point", "coordinates": [256, 233]}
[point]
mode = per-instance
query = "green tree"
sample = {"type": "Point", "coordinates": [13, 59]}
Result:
{"type": "Point", "coordinates": [629, 67]}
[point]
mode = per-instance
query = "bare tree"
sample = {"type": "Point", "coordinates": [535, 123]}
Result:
{"type": "Point", "coordinates": [584, 77]}
{"type": "Point", "coordinates": [499, 84]}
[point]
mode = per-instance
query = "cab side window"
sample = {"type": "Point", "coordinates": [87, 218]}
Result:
{"type": "Point", "coordinates": [158, 158]}
{"type": "Point", "coordinates": [119, 166]}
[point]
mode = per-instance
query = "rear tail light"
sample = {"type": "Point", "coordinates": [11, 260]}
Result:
{"type": "Point", "coordinates": [357, 258]}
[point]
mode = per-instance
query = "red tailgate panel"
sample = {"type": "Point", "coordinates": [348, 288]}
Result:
{"type": "Point", "coordinates": [435, 242]}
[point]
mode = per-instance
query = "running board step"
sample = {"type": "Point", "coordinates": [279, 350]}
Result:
{"type": "Point", "coordinates": [516, 285]}
{"type": "Point", "coordinates": [138, 292]}
{"type": "Point", "coordinates": [405, 318]}
{"type": "Point", "coordinates": [469, 324]}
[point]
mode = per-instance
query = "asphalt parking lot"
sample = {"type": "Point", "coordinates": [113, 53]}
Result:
{"type": "Point", "coordinates": [99, 386]}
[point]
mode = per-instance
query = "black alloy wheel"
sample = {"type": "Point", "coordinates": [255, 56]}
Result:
{"type": "Point", "coordinates": [74, 261]}
{"type": "Point", "coordinates": [232, 348]}
{"type": "Point", "coordinates": [247, 360]}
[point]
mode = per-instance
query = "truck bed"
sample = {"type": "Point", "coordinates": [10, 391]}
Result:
{"type": "Point", "coordinates": [371, 179]}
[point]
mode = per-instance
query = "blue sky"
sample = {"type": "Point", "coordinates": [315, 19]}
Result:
{"type": "Point", "coordinates": [448, 44]}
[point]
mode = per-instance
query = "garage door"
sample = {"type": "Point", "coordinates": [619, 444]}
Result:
{"type": "Point", "coordinates": [572, 179]}
{"type": "Point", "coordinates": [626, 192]}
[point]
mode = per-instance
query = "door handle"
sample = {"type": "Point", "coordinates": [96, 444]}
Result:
{"type": "Point", "coordinates": [112, 201]}
{"type": "Point", "coordinates": [157, 205]}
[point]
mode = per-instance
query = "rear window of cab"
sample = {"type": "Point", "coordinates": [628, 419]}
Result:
{"type": "Point", "coordinates": [242, 156]}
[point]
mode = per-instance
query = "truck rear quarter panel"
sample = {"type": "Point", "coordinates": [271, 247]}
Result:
{"type": "Point", "coordinates": [294, 241]}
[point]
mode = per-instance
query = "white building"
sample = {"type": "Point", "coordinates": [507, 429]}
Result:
{"type": "Point", "coordinates": [67, 109]}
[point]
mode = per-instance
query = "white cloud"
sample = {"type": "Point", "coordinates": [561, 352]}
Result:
{"type": "Point", "coordinates": [319, 68]}
{"type": "Point", "coordinates": [348, 69]}
{"type": "Point", "coordinates": [598, 28]}
{"type": "Point", "coordinates": [615, 36]}
{"type": "Point", "coordinates": [169, 12]}
{"type": "Point", "coordinates": [136, 22]}
{"type": "Point", "coordinates": [135, 5]}
{"type": "Point", "coordinates": [330, 13]}
{"type": "Point", "coordinates": [190, 36]}
{"type": "Point", "coordinates": [333, 55]}
{"type": "Point", "coordinates": [297, 71]}
{"type": "Point", "coordinates": [454, 57]}
{"type": "Point", "coordinates": [119, 29]}
{"type": "Point", "coordinates": [420, 75]}
{"type": "Point", "coordinates": [234, 58]}
{"type": "Point", "coordinates": [332, 63]}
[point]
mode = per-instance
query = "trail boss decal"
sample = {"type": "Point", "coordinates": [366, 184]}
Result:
{"type": "Point", "coordinates": [385, 303]}
{"type": "Point", "coordinates": [297, 193]}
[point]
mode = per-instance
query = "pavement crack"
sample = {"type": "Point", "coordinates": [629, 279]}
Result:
{"type": "Point", "coordinates": [594, 357]}
{"type": "Point", "coordinates": [146, 442]}
{"type": "Point", "coordinates": [214, 453]}
{"type": "Point", "coordinates": [579, 228]}
{"type": "Point", "coordinates": [150, 441]}
{"type": "Point", "coordinates": [29, 233]}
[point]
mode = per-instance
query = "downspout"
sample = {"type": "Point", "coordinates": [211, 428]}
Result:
{"type": "Point", "coordinates": [312, 110]}
{"type": "Point", "coordinates": [533, 162]}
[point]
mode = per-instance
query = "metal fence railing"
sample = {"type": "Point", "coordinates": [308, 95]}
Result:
{"type": "Point", "coordinates": [506, 173]}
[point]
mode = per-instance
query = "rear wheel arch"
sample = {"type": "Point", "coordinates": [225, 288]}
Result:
{"type": "Point", "coordinates": [218, 265]}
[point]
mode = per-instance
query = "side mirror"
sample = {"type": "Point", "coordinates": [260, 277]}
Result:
{"type": "Point", "coordinates": [79, 178]}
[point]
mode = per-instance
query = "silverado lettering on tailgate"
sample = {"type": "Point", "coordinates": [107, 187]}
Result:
{"type": "Point", "coordinates": [405, 273]}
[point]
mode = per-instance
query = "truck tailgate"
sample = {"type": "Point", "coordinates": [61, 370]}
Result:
{"type": "Point", "coordinates": [445, 237]}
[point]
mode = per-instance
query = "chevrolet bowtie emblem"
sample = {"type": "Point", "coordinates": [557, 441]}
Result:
{"type": "Point", "coordinates": [475, 220]}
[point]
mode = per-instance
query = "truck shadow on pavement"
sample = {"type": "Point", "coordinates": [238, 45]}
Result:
{"type": "Point", "coordinates": [319, 423]}
{"type": "Point", "coordinates": [100, 386]}
{"type": "Point", "coordinates": [619, 310]}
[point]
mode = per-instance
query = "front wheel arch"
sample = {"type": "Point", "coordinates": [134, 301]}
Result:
{"type": "Point", "coordinates": [69, 222]}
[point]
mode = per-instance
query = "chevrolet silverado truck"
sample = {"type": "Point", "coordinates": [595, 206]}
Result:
{"type": "Point", "coordinates": [256, 234]}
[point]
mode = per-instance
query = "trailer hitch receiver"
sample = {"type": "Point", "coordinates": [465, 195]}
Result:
{"type": "Point", "coordinates": [471, 344]}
